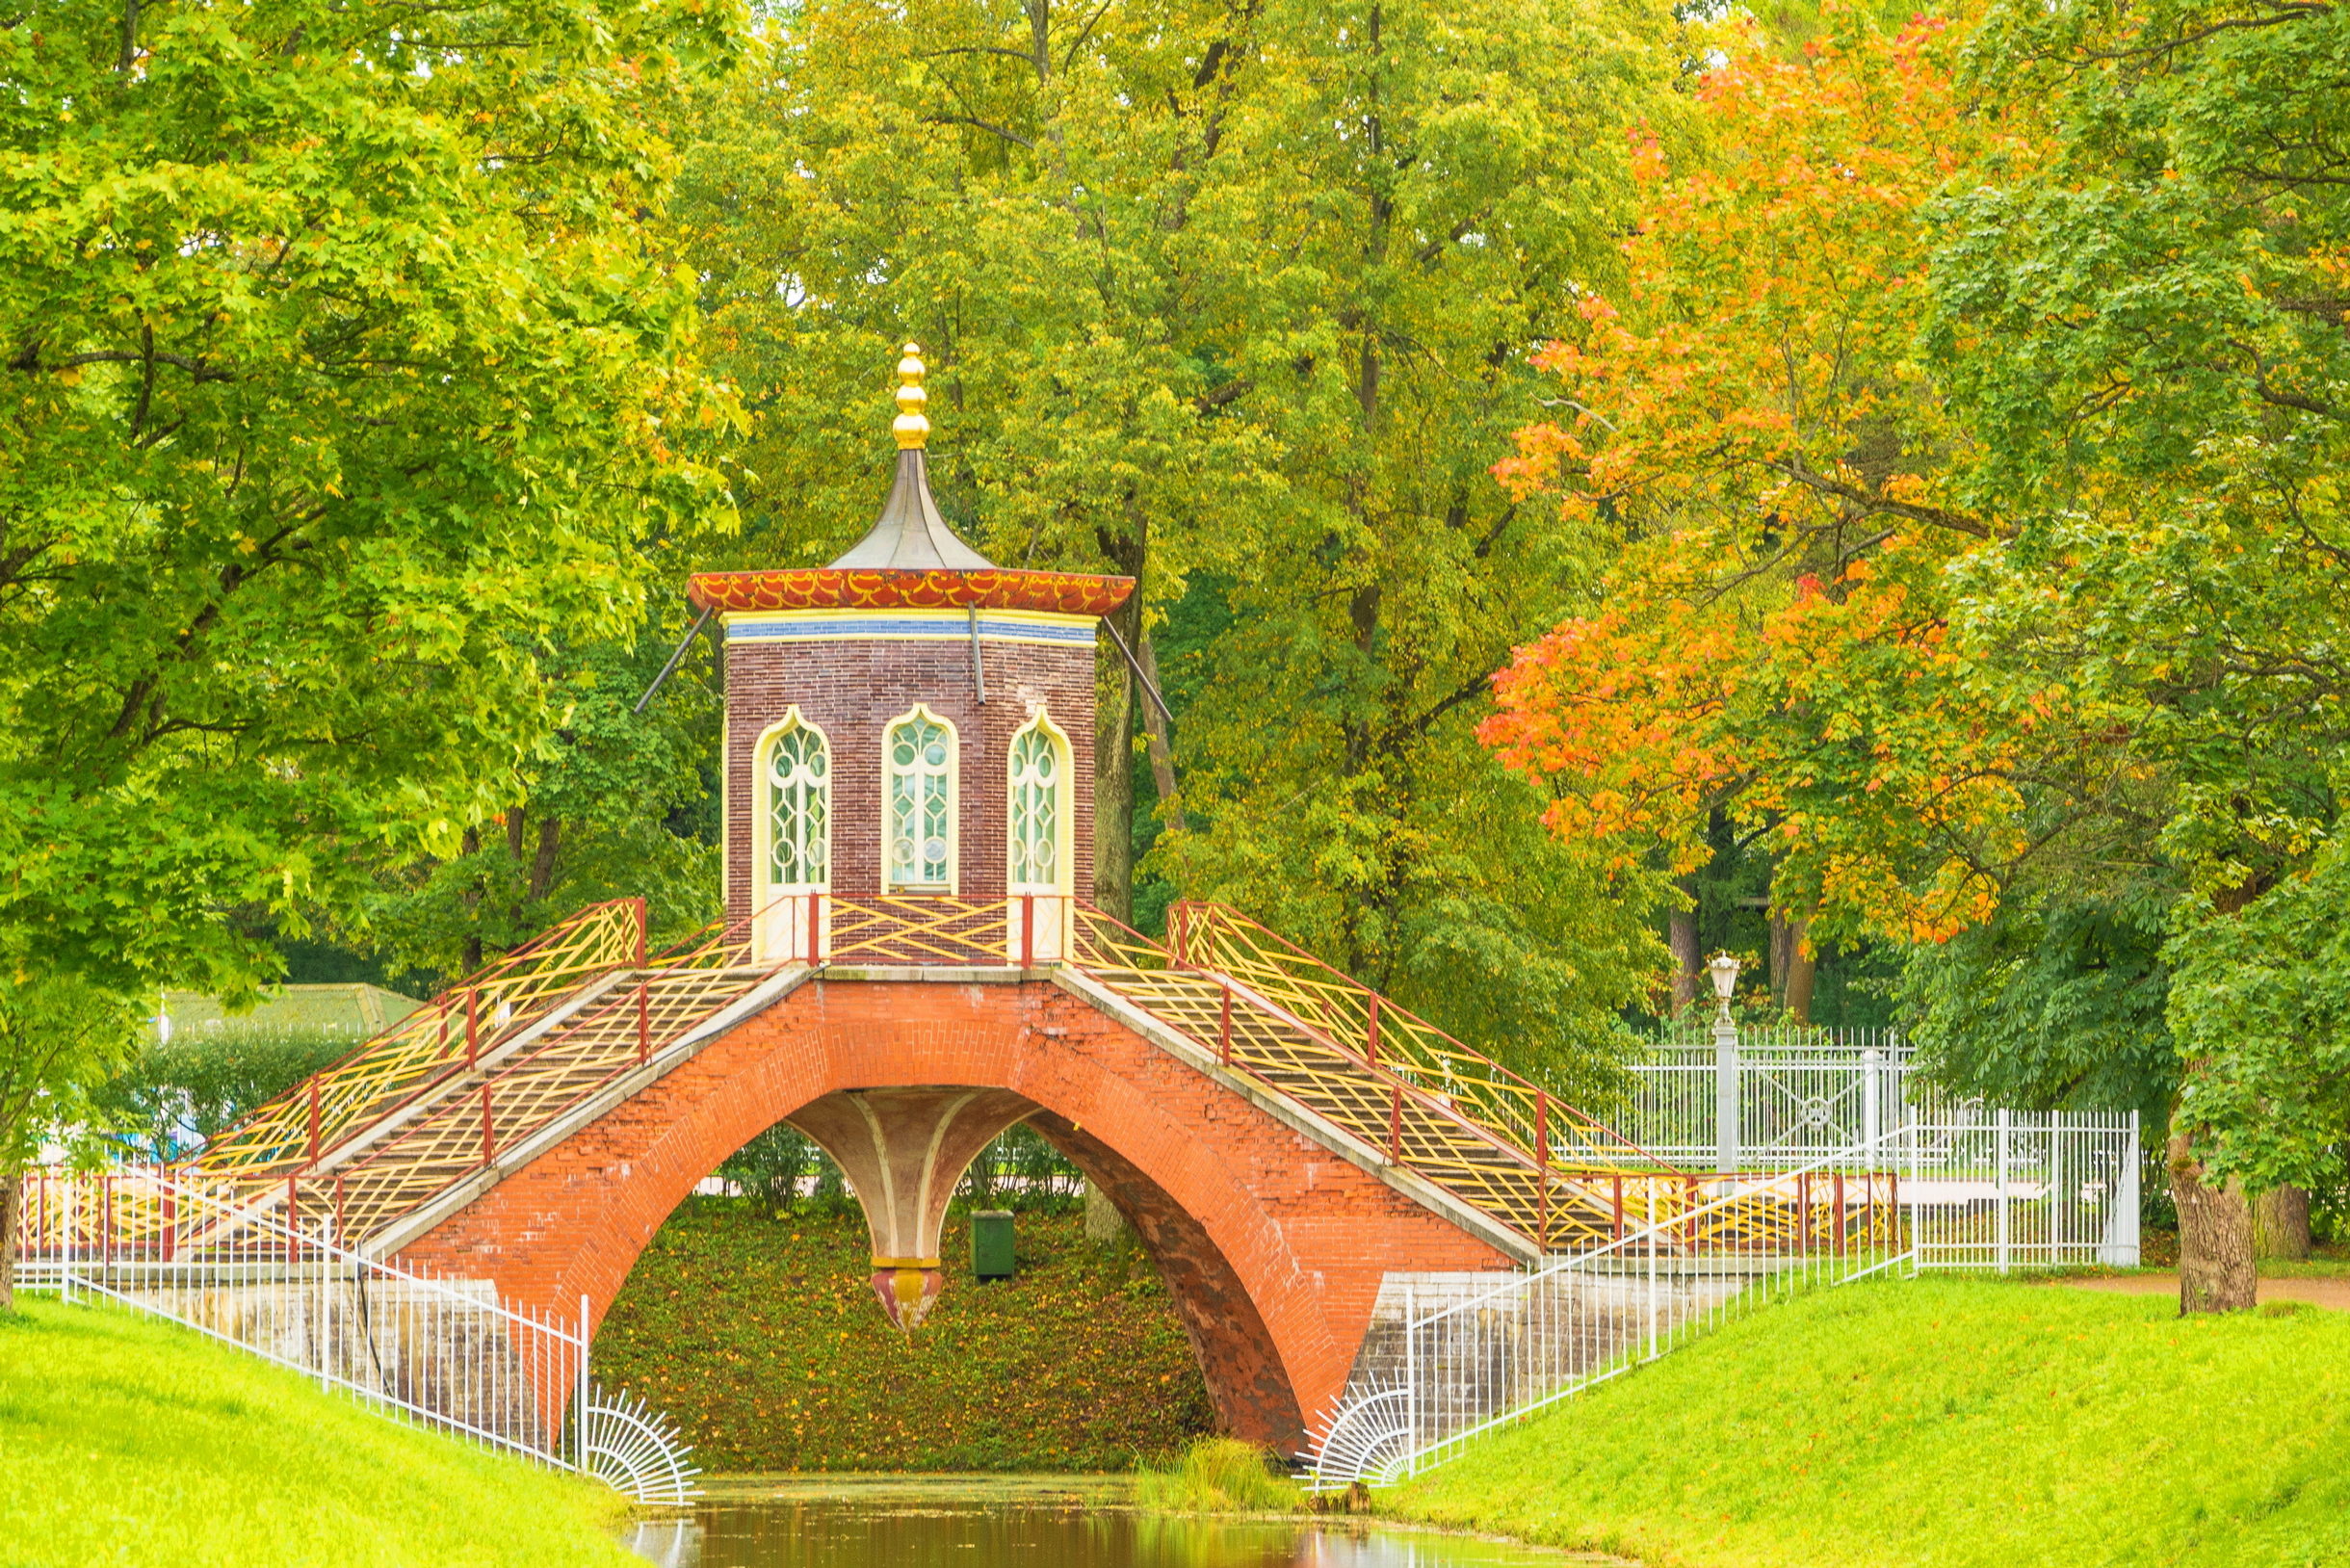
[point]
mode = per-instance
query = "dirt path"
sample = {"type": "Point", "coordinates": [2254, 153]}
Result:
{"type": "Point", "coordinates": [2319, 1293]}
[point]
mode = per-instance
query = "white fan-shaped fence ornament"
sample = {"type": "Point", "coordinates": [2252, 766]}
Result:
{"type": "Point", "coordinates": [638, 1451]}
{"type": "Point", "coordinates": [1368, 1438]}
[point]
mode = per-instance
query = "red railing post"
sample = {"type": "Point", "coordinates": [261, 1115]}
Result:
{"type": "Point", "coordinates": [314, 1118]}
{"type": "Point", "coordinates": [1618, 1181]}
{"type": "Point", "coordinates": [814, 913]}
{"type": "Point", "coordinates": [1223, 1027]}
{"type": "Point", "coordinates": [170, 1220]}
{"type": "Point", "coordinates": [1371, 1041]}
{"type": "Point", "coordinates": [490, 1136]}
{"type": "Point", "coordinates": [473, 1018]}
{"type": "Point", "coordinates": [1394, 1126]}
{"type": "Point", "coordinates": [644, 928]}
{"type": "Point", "coordinates": [1028, 930]}
{"type": "Point", "coordinates": [644, 1025]}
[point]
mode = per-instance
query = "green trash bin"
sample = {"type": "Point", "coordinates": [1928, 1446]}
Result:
{"type": "Point", "coordinates": [991, 1244]}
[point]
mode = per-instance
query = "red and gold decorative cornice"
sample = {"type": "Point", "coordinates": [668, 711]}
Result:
{"type": "Point", "coordinates": [822, 588]}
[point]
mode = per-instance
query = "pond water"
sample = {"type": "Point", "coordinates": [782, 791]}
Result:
{"type": "Point", "coordinates": [1017, 1522]}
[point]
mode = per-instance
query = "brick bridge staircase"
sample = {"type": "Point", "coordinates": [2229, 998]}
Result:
{"type": "Point", "coordinates": [429, 1114]}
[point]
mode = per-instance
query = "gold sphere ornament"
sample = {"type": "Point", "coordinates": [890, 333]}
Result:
{"type": "Point", "coordinates": [912, 430]}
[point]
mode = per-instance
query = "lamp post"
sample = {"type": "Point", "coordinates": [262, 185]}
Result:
{"type": "Point", "coordinates": [1725, 972]}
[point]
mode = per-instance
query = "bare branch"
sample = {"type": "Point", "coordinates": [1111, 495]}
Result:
{"type": "Point", "coordinates": [992, 130]}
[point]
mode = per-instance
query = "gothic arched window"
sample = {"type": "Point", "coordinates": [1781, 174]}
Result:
{"type": "Point", "coordinates": [796, 771]}
{"type": "Point", "coordinates": [1038, 860]}
{"type": "Point", "coordinates": [918, 803]}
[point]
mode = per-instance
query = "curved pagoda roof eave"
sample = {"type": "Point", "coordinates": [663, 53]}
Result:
{"type": "Point", "coordinates": [834, 587]}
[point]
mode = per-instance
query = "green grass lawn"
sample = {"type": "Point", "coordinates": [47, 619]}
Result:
{"type": "Point", "coordinates": [125, 1440]}
{"type": "Point", "coordinates": [1941, 1422]}
{"type": "Point", "coordinates": [761, 1338]}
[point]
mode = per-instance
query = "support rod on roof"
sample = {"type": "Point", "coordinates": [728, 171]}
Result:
{"type": "Point", "coordinates": [1135, 664]}
{"type": "Point", "coordinates": [693, 632]}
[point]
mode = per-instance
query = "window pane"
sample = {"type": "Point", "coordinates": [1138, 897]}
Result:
{"type": "Point", "coordinates": [799, 803]}
{"type": "Point", "coordinates": [919, 830]}
{"type": "Point", "coordinates": [1034, 859]}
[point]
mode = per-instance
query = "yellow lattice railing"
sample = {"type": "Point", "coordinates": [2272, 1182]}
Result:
{"type": "Point", "coordinates": [457, 1027]}
{"type": "Point", "coordinates": [519, 1046]}
{"type": "Point", "coordinates": [1364, 1024]}
{"type": "Point", "coordinates": [1410, 1092]}
{"type": "Point", "coordinates": [916, 931]}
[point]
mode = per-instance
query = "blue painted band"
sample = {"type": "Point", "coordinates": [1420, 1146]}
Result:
{"type": "Point", "coordinates": [942, 628]}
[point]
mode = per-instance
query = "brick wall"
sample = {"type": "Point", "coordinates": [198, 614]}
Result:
{"type": "Point", "coordinates": [851, 688]}
{"type": "Point", "coordinates": [1273, 1247]}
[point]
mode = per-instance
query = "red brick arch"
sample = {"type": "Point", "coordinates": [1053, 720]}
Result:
{"type": "Point", "coordinates": [1272, 1245]}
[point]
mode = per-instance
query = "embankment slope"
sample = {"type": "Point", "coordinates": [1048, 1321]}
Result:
{"type": "Point", "coordinates": [1947, 1423]}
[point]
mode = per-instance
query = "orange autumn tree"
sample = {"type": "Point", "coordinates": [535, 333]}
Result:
{"type": "Point", "coordinates": [1751, 418]}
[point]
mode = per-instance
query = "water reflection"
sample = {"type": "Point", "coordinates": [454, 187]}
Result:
{"type": "Point", "coordinates": [999, 1521]}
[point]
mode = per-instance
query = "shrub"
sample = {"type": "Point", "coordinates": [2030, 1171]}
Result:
{"type": "Point", "coordinates": [178, 1095]}
{"type": "Point", "coordinates": [1220, 1474]}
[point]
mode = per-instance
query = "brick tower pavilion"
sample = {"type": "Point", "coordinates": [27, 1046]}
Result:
{"type": "Point", "coordinates": [911, 722]}
{"type": "Point", "coordinates": [908, 782]}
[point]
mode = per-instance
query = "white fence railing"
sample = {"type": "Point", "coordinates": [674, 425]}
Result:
{"type": "Point", "coordinates": [1790, 1096]}
{"type": "Point", "coordinates": [442, 1353]}
{"type": "Point", "coordinates": [1450, 1356]}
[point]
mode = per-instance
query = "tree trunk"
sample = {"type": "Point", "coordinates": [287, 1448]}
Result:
{"type": "Point", "coordinates": [12, 1193]}
{"type": "Point", "coordinates": [471, 845]}
{"type": "Point", "coordinates": [1802, 968]}
{"type": "Point", "coordinates": [2281, 1223]}
{"type": "Point", "coordinates": [1114, 780]}
{"type": "Point", "coordinates": [1681, 937]}
{"type": "Point", "coordinates": [542, 865]}
{"type": "Point", "coordinates": [2215, 1268]}
{"type": "Point", "coordinates": [1163, 752]}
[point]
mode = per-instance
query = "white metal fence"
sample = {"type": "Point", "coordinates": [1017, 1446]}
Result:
{"type": "Point", "coordinates": [1450, 1357]}
{"type": "Point", "coordinates": [443, 1354]}
{"type": "Point", "coordinates": [1760, 1099]}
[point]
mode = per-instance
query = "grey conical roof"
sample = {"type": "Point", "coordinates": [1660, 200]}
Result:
{"type": "Point", "coordinates": [910, 535]}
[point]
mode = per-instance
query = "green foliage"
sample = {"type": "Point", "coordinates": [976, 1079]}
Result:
{"type": "Point", "coordinates": [131, 1440]}
{"type": "Point", "coordinates": [1219, 1475]}
{"type": "Point", "coordinates": [2057, 1006]}
{"type": "Point", "coordinates": [2261, 1005]}
{"type": "Point", "coordinates": [338, 384]}
{"type": "Point", "coordinates": [178, 1094]}
{"type": "Point", "coordinates": [763, 1339]}
{"type": "Point", "coordinates": [2144, 334]}
{"type": "Point", "coordinates": [1021, 1171]}
{"type": "Point", "coordinates": [1232, 296]}
{"type": "Point", "coordinates": [770, 1168]}
{"type": "Point", "coordinates": [615, 805]}
{"type": "Point", "coordinates": [59, 1038]}
{"type": "Point", "coordinates": [1959, 1422]}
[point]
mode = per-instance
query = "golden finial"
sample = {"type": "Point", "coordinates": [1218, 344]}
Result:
{"type": "Point", "coordinates": [910, 427]}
